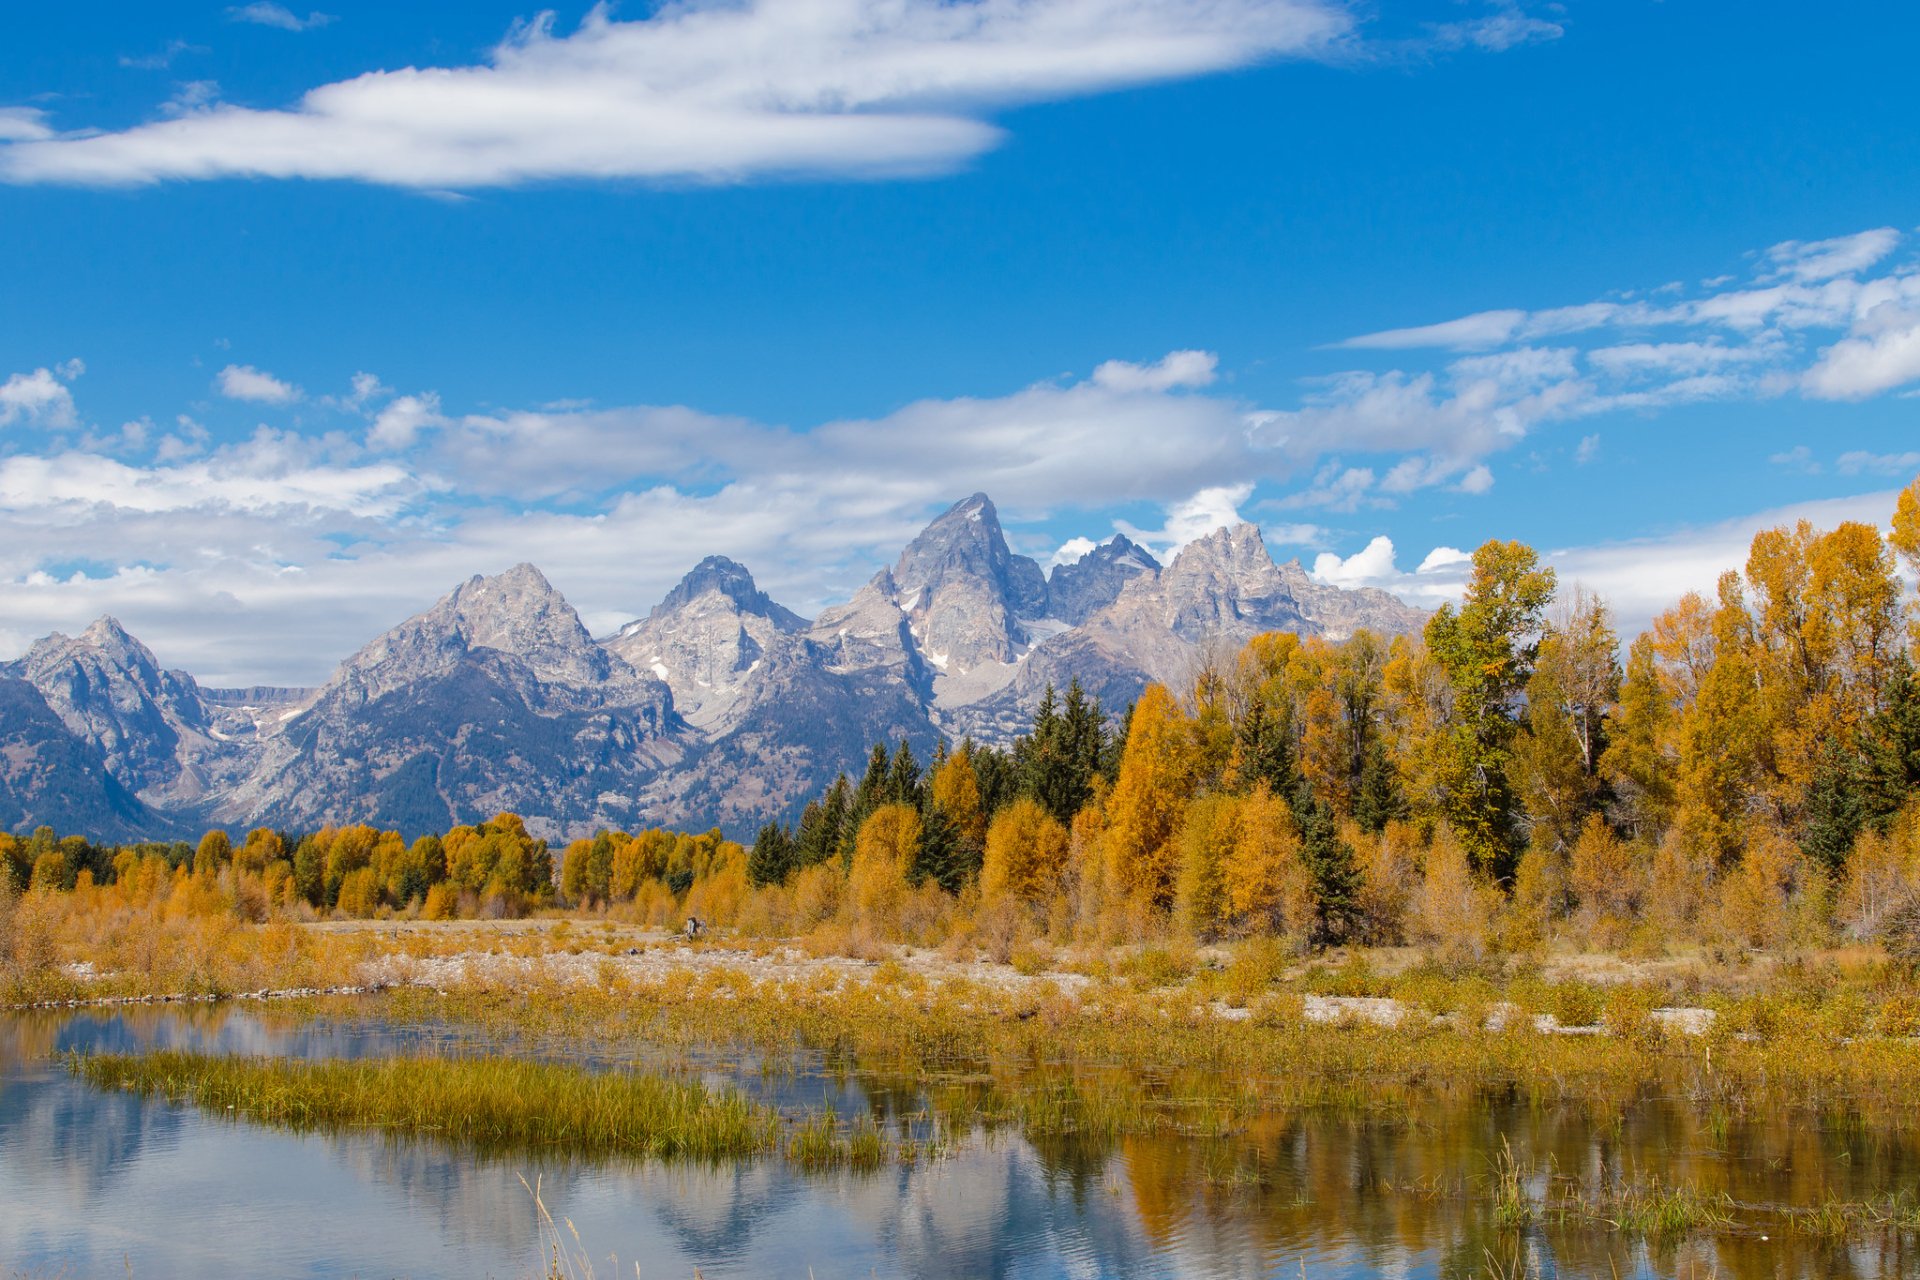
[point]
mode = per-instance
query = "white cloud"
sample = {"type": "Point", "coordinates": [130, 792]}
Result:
{"type": "Point", "coordinates": [1855, 461]}
{"type": "Point", "coordinates": [24, 124]}
{"type": "Point", "coordinates": [38, 397]}
{"type": "Point", "coordinates": [1835, 319]}
{"type": "Point", "coordinates": [244, 382]}
{"type": "Point", "coordinates": [1840, 256]}
{"type": "Point", "coordinates": [262, 13]}
{"type": "Point", "coordinates": [711, 91]}
{"type": "Point", "coordinates": [1468, 333]}
{"type": "Point", "coordinates": [1885, 357]}
{"type": "Point", "coordinates": [1175, 369]}
{"type": "Point", "coordinates": [1072, 551]}
{"type": "Point", "coordinates": [1477, 481]}
{"type": "Point", "coordinates": [1799, 458]}
{"type": "Point", "coordinates": [1190, 519]}
{"type": "Point", "coordinates": [1504, 29]}
{"type": "Point", "coordinates": [1441, 577]}
{"type": "Point", "coordinates": [400, 423]}
{"type": "Point", "coordinates": [1589, 450]}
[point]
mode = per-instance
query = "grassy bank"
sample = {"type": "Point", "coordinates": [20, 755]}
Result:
{"type": "Point", "coordinates": [490, 1104]}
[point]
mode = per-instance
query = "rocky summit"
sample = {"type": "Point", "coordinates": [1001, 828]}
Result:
{"type": "Point", "coordinates": [720, 707]}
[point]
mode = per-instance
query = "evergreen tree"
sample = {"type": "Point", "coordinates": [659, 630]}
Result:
{"type": "Point", "coordinates": [1264, 749]}
{"type": "Point", "coordinates": [903, 777]}
{"type": "Point", "coordinates": [1336, 876]}
{"type": "Point", "coordinates": [1837, 808]}
{"type": "Point", "coordinates": [1377, 799]}
{"type": "Point", "coordinates": [942, 856]}
{"type": "Point", "coordinates": [771, 859]}
{"type": "Point", "coordinates": [822, 826]}
{"type": "Point", "coordinates": [997, 775]}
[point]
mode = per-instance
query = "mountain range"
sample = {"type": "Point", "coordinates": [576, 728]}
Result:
{"type": "Point", "coordinates": [720, 707]}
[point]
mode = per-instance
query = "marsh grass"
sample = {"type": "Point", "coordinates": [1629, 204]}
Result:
{"type": "Point", "coordinates": [489, 1104]}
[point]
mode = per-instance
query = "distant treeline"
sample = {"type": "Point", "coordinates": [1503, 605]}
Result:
{"type": "Point", "coordinates": [1746, 776]}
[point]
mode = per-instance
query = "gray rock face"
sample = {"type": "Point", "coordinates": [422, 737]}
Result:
{"type": "Point", "coordinates": [1079, 590]}
{"type": "Point", "coordinates": [719, 707]}
{"type": "Point", "coordinates": [964, 593]}
{"type": "Point", "coordinates": [495, 699]}
{"type": "Point", "coordinates": [51, 776]}
{"type": "Point", "coordinates": [152, 728]}
{"type": "Point", "coordinates": [712, 640]}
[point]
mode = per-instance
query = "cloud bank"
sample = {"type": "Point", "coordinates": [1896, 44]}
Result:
{"type": "Point", "coordinates": [701, 91]}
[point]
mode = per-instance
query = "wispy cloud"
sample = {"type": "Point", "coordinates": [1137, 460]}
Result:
{"type": "Point", "coordinates": [705, 91]}
{"type": "Point", "coordinates": [161, 58]}
{"type": "Point", "coordinates": [263, 13]}
{"type": "Point", "coordinates": [244, 382]}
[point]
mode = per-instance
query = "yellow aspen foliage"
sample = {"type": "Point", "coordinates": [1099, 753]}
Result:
{"type": "Point", "coordinates": [262, 846]}
{"type": "Point", "coordinates": [1905, 540]}
{"type": "Point", "coordinates": [1389, 878]}
{"type": "Point", "coordinates": [1638, 761]}
{"type": "Point", "coordinates": [882, 851]}
{"type": "Point", "coordinates": [215, 852]}
{"type": "Point", "coordinates": [1206, 840]}
{"type": "Point", "coordinates": [1682, 882]}
{"type": "Point", "coordinates": [443, 902]}
{"type": "Point", "coordinates": [1143, 813]}
{"type": "Point", "coordinates": [817, 891]}
{"type": "Point", "coordinates": [1417, 702]}
{"type": "Point", "coordinates": [955, 791]}
{"type": "Point", "coordinates": [1606, 878]}
{"type": "Point", "coordinates": [1210, 722]}
{"type": "Point", "coordinates": [1326, 749]}
{"type": "Point", "coordinates": [1026, 854]}
{"type": "Point", "coordinates": [1883, 875]}
{"type": "Point", "coordinates": [1268, 885]}
{"type": "Point", "coordinates": [359, 893]}
{"type": "Point", "coordinates": [1756, 896]}
{"type": "Point", "coordinates": [1539, 889]}
{"type": "Point", "coordinates": [720, 889]}
{"type": "Point", "coordinates": [1453, 909]}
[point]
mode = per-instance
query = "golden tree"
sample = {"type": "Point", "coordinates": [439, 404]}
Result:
{"type": "Point", "coordinates": [1144, 810]}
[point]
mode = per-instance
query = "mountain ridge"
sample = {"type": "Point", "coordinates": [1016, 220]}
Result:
{"type": "Point", "coordinates": [718, 707]}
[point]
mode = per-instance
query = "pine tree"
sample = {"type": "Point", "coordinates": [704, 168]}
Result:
{"type": "Point", "coordinates": [1378, 798]}
{"type": "Point", "coordinates": [771, 859]}
{"type": "Point", "coordinates": [903, 777]}
{"type": "Point", "coordinates": [872, 791]}
{"type": "Point", "coordinates": [1336, 876]}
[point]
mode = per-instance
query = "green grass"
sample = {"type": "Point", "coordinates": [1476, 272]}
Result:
{"type": "Point", "coordinates": [491, 1104]}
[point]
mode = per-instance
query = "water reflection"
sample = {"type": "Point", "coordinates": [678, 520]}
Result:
{"type": "Point", "coordinates": [96, 1183]}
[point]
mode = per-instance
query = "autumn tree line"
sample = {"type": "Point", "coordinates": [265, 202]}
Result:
{"type": "Point", "coordinates": [1744, 772]}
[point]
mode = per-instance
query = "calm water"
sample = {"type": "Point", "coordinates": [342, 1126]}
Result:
{"type": "Point", "coordinates": [105, 1184]}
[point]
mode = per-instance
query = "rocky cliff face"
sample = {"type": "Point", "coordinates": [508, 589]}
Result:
{"type": "Point", "coordinates": [720, 706]}
{"type": "Point", "coordinates": [715, 641]}
{"type": "Point", "coordinates": [1081, 589]}
{"type": "Point", "coordinates": [51, 776]}
{"type": "Point", "coordinates": [494, 699]}
{"type": "Point", "coordinates": [152, 728]}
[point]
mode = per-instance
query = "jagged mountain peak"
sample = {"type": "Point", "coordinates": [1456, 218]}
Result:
{"type": "Point", "coordinates": [964, 539]}
{"type": "Point", "coordinates": [105, 637]}
{"type": "Point", "coordinates": [965, 592]}
{"type": "Point", "coordinates": [1080, 588]}
{"type": "Point", "coordinates": [106, 630]}
{"type": "Point", "coordinates": [517, 613]}
{"type": "Point", "coordinates": [730, 579]}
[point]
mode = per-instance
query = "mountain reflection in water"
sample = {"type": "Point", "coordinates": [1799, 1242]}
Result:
{"type": "Point", "coordinates": [99, 1183]}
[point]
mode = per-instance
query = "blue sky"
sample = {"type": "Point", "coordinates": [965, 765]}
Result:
{"type": "Point", "coordinates": [296, 337]}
